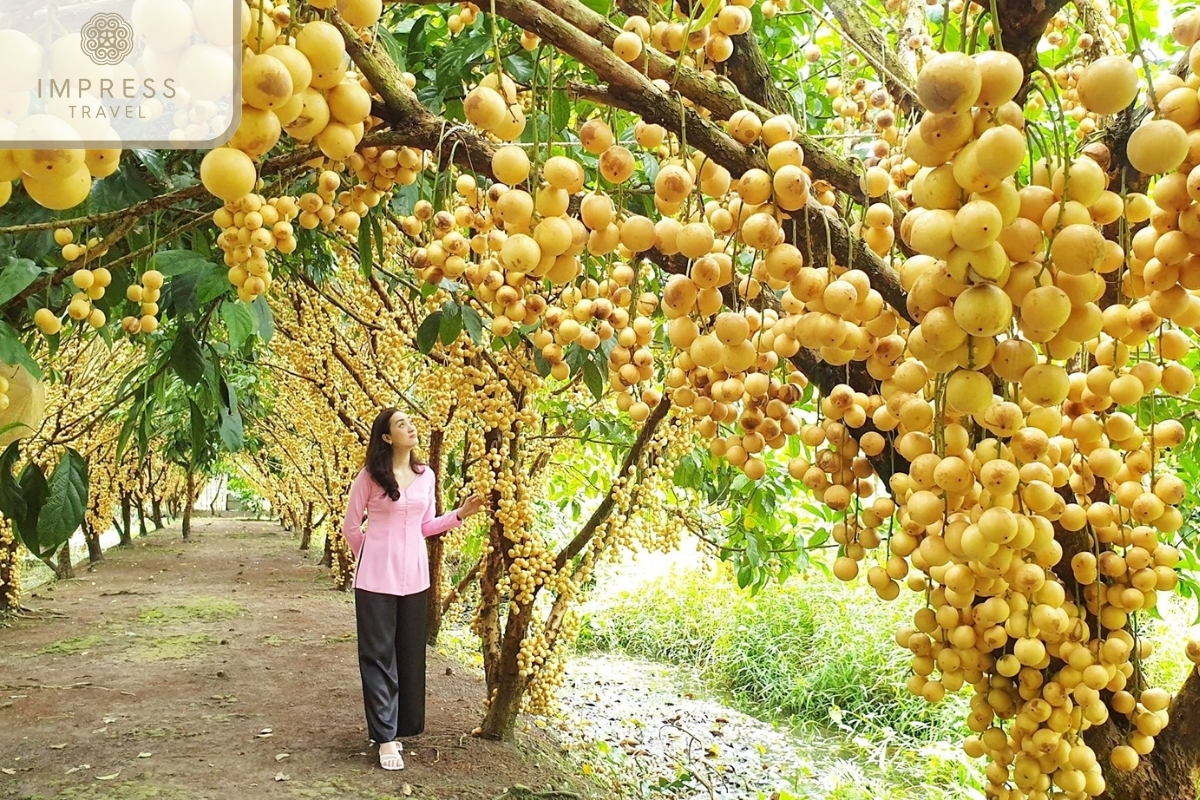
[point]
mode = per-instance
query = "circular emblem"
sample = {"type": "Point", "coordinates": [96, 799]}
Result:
{"type": "Point", "coordinates": [107, 39]}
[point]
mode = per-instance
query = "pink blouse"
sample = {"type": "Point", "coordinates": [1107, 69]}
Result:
{"type": "Point", "coordinates": [394, 560]}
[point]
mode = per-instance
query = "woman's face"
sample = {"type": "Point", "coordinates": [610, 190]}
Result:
{"type": "Point", "coordinates": [402, 431]}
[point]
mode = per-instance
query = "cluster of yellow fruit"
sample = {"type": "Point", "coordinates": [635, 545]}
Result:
{"type": "Point", "coordinates": [299, 85]}
{"type": "Point", "coordinates": [145, 293]}
{"type": "Point", "coordinates": [1005, 447]}
{"type": "Point", "coordinates": [251, 228]}
{"type": "Point", "coordinates": [463, 18]}
{"type": "Point", "coordinates": [493, 106]}
{"type": "Point", "coordinates": [71, 251]}
{"type": "Point", "coordinates": [54, 178]}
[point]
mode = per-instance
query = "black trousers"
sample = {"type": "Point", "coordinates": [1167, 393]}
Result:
{"type": "Point", "coordinates": [391, 658]}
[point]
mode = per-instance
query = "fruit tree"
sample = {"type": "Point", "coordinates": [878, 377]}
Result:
{"type": "Point", "coordinates": [933, 262]}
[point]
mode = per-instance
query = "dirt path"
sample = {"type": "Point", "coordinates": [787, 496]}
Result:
{"type": "Point", "coordinates": [224, 668]}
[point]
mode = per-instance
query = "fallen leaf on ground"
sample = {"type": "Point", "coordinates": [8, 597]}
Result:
{"type": "Point", "coordinates": [145, 755]}
{"type": "Point", "coordinates": [108, 777]}
{"type": "Point", "coordinates": [58, 746]}
{"type": "Point", "coordinates": [8, 771]}
{"type": "Point", "coordinates": [406, 790]}
{"type": "Point", "coordinates": [279, 776]}
{"type": "Point", "coordinates": [265, 733]}
{"type": "Point", "coordinates": [282, 756]}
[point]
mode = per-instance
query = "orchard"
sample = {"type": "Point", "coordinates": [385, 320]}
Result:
{"type": "Point", "coordinates": [935, 265]}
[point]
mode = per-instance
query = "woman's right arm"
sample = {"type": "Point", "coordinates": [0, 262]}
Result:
{"type": "Point", "coordinates": [360, 492]}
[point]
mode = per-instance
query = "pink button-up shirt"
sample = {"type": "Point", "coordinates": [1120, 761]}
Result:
{"type": "Point", "coordinates": [391, 555]}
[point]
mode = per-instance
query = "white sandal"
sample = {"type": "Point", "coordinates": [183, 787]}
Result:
{"type": "Point", "coordinates": [391, 761]}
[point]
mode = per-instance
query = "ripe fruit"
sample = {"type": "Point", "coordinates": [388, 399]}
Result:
{"type": "Point", "coordinates": [1108, 85]}
{"type": "Point", "coordinates": [228, 174]}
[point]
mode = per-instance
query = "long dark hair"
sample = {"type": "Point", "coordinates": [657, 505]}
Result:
{"type": "Point", "coordinates": [379, 455]}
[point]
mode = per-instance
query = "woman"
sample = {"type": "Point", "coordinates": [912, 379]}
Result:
{"type": "Point", "coordinates": [391, 586]}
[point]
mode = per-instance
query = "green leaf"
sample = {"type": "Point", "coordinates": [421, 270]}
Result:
{"type": "Point", "coordinates": [32, 484]}
{"type": "Point", "coordinates": [12, 504]}
{"type": "Point", "coordinates": [264, 320]}
{"type": "Point", "coordinates": [187, 359]}
{"type": "Point", "coordinates": [594, 379]}
{"type": "Point", "coordinates": [239, 322]}
{"type": "Point", "coordinates": [211, 286]}
{"type": "Point", "coordinates": [231, 430]}
{"type": "Point", "coordinates": [473, 323]}
{"type": "Point", "coordinates": [13, 351]}
{"type": "Point", "coordinates": [393, 47]}
{"type": "Point", "coordinates": [172, 263]}
{"type": "Point", "coordinates": [366, 251]}
{"type": "Point", "coordinates": [428, 332]}
{"type": "Point", "coordinates": [16, 277]}
{"type": "Point", "coordinates": [452, 322]}
{"type": "Point", "coordinates": [66, 504]}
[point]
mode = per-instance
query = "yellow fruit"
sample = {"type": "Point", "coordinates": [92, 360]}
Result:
{"type": "Point", "coordinates": [322, 45]}
{"type": "Point", "coordinates": [627, 46]}
{"type": "Point", "coordinates": [26, 402]}
{"type": "Point", "coordinates": [617, 164]}
{"type": "Point", "coordinates": [1001, 76]}
{"type": "Point", "coordinates": [297, 65]}
{"type": "Point", "coordinates": [349, 103]}
{"type": "Point", "coordinates": [228, 174]}
{"type": "Point", "coordinates": [1108, 85]}
{"type": "Point", "coordinates": [1002, 151]}
{"type": "Point", "coordinates": [360, 13]}
{"type": "Point", "coordinates": [484, 107]}
{"type": "Point", "coordinates": [46, 321]}
{"type": "Point", "coordinates": [983, 310]}
{"type": "Point", "coordinates": [257, 133]}
{"type": "Point", "coordinates": [337, 141]}
{"type": "Point", "coordinates": [949, 83]}
{"type": "Point", "coordinates": [969, 391]}
{"type": "Point", "coordinates": [510, 165]}
{"type": "Point", "coordinates": [313, 117]}
{"type": "Point", "coordinates": [60, 192]}
{"type": "Point", "coordinates": [1157, 147]}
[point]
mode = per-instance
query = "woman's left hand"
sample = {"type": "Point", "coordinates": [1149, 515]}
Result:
{"type": "Point", "coordinates": [471, 506]}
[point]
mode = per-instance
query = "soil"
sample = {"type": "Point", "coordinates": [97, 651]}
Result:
{"type": "Point", "coordinates": [226, 667]}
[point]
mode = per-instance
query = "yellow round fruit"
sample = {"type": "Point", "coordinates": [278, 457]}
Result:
{"type": "Point", "coordinates": [969, 391]}
{"type": "Point", "coordinates": [349, 103]}
{"type": "Point", "coordinates": [323, 46]}
{"type": "Point", "coordinates": [983, 310]}
{"type": "Point", "coordinates": [1001, 76]}
{"type": "Point", "coordinates": [510, 165]}
{"type": "Point", "coordinates": [313, 117]}
{"type": "Point", "coordinates": [628, 46]}
{"type": "Point", "coordinates": [228, 174]}
{"type": "Point", "coordinates": [102, 163]}
{"type": "Point", "coordinates": [61, 191]}
{"type": "Point", "coordinates": [1108, 85]}
{"type": "Point", "coordinates": [360, 13]}
{"type": "Point", "coordinates": [266, 82]}
{"type": "Point", "coordinates": [1157, 147]}
{"type": "Point", "coordinates": [949, 83]}
{"type": "Point", "coordinates": [484, 107]}
{"type": "Point", "coordinates": [257, 133]}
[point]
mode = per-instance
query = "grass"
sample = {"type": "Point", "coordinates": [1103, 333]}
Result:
{"type": "Point", "coordinates": [809, 652]}
{"type": "Point", "coordinates": [72, 646]}
{"type": "Point", "coordinates": [165, 648]}
{"type": "Point", "coordinates": [814, 655]}
{"type": "Point", "coordinates": [202, 609]}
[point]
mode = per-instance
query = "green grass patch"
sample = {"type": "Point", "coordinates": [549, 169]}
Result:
{"type": "Point", "coordinates": [72, 646]}
{"type": "Point", "coordinates": [165, 648]}
{"type": "Point", "coordinates": [812, 651]}
{"type": "Point", "coordinates": [141, 788]}
{"type": "Point", "coordinates": [201, 609]}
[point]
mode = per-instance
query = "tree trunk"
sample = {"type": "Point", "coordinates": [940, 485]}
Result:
{"type": "Point", "coordinates": [306, 534]}
{"type": "Point", "coordinates": [141, 518]}
{"type": "Point", "coordinates": [1169, 771]}
{"type": "Point", "coordinates": [506, 685]}
{"type": "Point", "coordinates": [156, 512]}
{"type": "Point", "coordinates": [434, 546]}
{"type": "Point", "coordinates": [10, 576]}
{"type": "Point", "coordinates": [327, 558]}
{"type": "Point", "coordinates": [187, 507]}
{"type": "Point", "coordinates": [126, 520]}
{"type": "Point", "coordinates": [92, 537]}
{"type": "Point", "coordinates": [65, 568]}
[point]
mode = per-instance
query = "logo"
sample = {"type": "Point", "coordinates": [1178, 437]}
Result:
{"type": "Point", "coordinates": [107, 39]}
